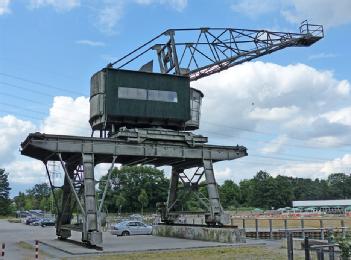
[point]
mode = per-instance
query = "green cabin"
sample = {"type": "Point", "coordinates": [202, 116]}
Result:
{"type": "Point", "coordinates": [137, 99]}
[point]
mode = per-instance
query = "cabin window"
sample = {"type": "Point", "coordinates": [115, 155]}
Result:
{"type": "Point", "coordinates": [147, 94]}
{"type": "Point", "coordinates": [132, 93]}
{"type": "Point", "coordinates": [161, 95]}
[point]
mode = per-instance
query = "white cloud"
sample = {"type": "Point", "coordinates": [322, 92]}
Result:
{"type": "Point", "coordinates": [68, 116]}
{"type": "Point", "coordinates": [254, 8]}
{"type": "Point", "coordinates": [284, 100]}
{"type": "Point", "coordinates": [342, 116]}
{"type": "Point", "coordinates": [178, 5]}
{"type": "Point", "coordinates": [327, 141]}
{"type": "Point", "coordinates": [12, 132]}
{"type": "Point", "coordinates": [322, 55]}
{"type": "Point", "coordinates": [90, 43]}
{"type": "Point", "coordinates": [109, 16]}
{"type": "Point", "coordinates": [58, 5]}
{"type": "Point", "coordinates": [327, 12]}
{"type": "Point", "coordinates": [275, 145]}
{"type": "Point", "coordinates": [342, 164]}
{"type": "Point", "coordinates": [26, 171]}
{"type": "Point", "coordinates": [5, 7]}
{"type": "Point", "coordinates": [315, 170]}
{"type": "Point", "coordinates": [102, 169]}
{"type": "Point", "coordinates": [343, 88]}
{"type": "Point", "coordinates": [223, 174]}
{"type": "Point", "coordinates": [273, 114]}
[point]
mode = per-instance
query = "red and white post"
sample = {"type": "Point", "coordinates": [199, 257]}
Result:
{"type": "Point", "coordinates": [36, 249]}
{"type": "Point", "coordinates": [3, 250]}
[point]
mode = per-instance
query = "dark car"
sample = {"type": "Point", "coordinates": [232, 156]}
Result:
{"type": "Point", "coordinates": [30, 220]}
{"type": "Point", "coordinates": [47, 222]}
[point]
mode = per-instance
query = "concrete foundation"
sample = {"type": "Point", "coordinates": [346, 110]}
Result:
{"type": "Point", "coordinates": [223, 235]}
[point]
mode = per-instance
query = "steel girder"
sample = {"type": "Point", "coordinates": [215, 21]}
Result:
{"type": "Point", "coordinates": [79, 155]}
{"type": "Point", "coordinates": [200, 52]}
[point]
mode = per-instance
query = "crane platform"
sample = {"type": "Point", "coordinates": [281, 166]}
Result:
{"type": "Point", "coordinates": [45, 147]}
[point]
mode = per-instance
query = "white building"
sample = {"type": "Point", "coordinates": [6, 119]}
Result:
{"type": "Point", "coordinates": [329, 206]}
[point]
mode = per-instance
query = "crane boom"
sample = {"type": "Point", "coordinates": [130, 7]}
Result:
{"type": "Point", "coordinates": [215, 49]}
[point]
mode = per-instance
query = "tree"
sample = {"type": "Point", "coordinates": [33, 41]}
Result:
{"type": "Point", "coordinates": [285, 195]}
{"type": "Point", "coordinates": [246, 192]}
{"type": "Point", "coordinates": [37, 194]}
{"type": "Point", "coordinates": [229, 194]}
{"type": "Point", "coordinates": [20, 201]}
{"type": "Point", "coordinates": [120, 202]}
{"type": "Point", "coordinates": [129, 182]}
{"type": "Point", "coordinates": [143, 199]}
{"type": "Point", "coordinates": [5, 201]}
{"type": "Point", "coordinates": [339, 184]}
{"type": "Point", "coordinates": [265, 191]}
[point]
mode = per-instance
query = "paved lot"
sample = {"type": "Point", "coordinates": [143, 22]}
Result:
{"type": "Point", "coordinates": [113, 244]}
{"type": "Point", "coordinates": [51, 248]}
{"type": "Point", "coordinates": [13, 233]}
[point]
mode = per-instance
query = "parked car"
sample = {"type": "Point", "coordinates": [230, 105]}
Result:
{"type": "Point", "coordinates": [30, 220]}
{"type": "Point", "coordinates": [131, 227]}
{"type": "Point", "coordinates": [36, 223]}
{"type": "Point", "coordinates": [47, 222]}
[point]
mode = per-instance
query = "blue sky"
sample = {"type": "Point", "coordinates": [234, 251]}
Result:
{"type": "Point", "coordinates": [291, 108]}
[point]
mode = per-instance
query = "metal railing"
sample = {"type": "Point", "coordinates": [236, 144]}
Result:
{"type": "Point", "coordinates": [301, 227]}
{"type": "Point", "coordinates": [312, 29]}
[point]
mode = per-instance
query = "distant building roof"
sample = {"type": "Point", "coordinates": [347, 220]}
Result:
{"type": "Point", "coordinates": [321, 203]}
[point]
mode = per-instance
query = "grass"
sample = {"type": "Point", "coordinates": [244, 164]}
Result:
{"type": "Point", "coordinates": [31, 252]}
{"type": "Point", "coordinates": [14, 220]}
{"type": "Point", "coordinates": [222, 253]}
{"type": "Point", "coordinates": [24, 245]}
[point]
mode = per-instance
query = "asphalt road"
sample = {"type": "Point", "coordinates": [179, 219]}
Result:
{"type": "Point", "coordinates": [51, 248]}
{"type": "Point", "coordinates": [13, 233]}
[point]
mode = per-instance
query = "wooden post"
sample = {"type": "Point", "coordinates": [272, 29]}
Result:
{"type": "Point", "coordinates": [331, 253]}
{"type": "Point", "coordinates": [307, 249]}
{"type": "Point", "coordinates": [232, 221]}
{"type": "Point", "coordinates": [322, 228]}
{"type": "Point", "coordinates": [343, 228]}
{"type": "Point", "coordinates": [330, 235]}
{"type": "Point", "coordinates": [290, 246]}
{"type": "Point", "coordinates": [320, 254]}
{"type": "Point", "coordinates": [244, 224]}
{"type": "Point", "coordinates": [286, 227]}
{"type": "Point", "coordinates": [256, 226]}
{"type": "Point", "coordinates": [303, 227]}
{"type": "Point", "coordinates": [270, 229]}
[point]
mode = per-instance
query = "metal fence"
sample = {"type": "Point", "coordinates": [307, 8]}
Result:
{"type": "Point", "coordinates": [319, 250]}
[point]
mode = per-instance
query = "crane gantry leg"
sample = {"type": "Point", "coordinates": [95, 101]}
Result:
{"type": "Point", "coordinates": [214, 214]}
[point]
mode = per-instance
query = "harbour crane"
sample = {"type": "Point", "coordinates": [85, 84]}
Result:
{"type": "Point", "coordinates": [146, 116]}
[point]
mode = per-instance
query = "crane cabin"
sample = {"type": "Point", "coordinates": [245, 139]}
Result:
{"type": "Point", "coordinates": [138, 99]}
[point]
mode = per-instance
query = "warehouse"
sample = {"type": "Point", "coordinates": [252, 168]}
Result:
{"type": "Point", "coordinates": [327, 206]}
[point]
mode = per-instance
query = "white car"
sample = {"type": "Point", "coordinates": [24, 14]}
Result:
{"type": "Point", "coordinates": [131, 227]}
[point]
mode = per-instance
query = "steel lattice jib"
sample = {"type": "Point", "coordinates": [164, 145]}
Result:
{"type": "Point", "coordinates": [121, 98]}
